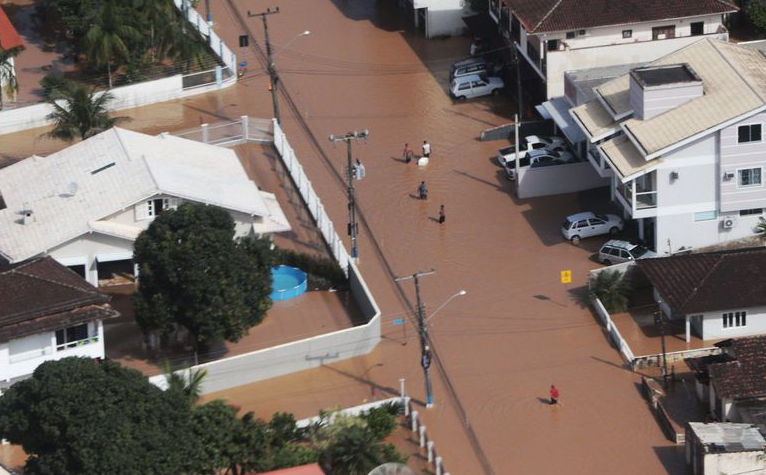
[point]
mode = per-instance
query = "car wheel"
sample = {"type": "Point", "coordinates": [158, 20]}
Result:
{"type": "Point", "coordinates": [606, 262]}
{"type": "Point", "coordinates": [575, 240]}
{"type": "Point", "coordinates": [495, 92]}
{"type": "Point", "coordinates": [460, 98]}
{"type": "Point", "coordinates": [614, 230]}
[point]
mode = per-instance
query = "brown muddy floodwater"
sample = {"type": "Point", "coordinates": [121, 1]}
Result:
{"type": "Point", "coordinates": [518, 330]}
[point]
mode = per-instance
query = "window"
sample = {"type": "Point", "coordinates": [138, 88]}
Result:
{"type": "Point", "coordinates": [663, 32]}
{"type": "Point", "coordinates": [553, 45]}
{"type": "Point", "coordinates": [698, 28]}
{"type": "Point", "coordinates": [627, 34]}
{"type": "Point", "coordinates": [464, 86]}
{"type": "Point", "coordinates": [748, 212]}
{"type": "Point", "coordinates": [155, 207]}
{"type": "Point", "coordinates": [72, 336]}
{"type": "Point", "coordinates": [582, 32]}
{"type": "Point", "coordinates": [749, 176]}
{"type": "Point", "coordinates": [570, 35]}
{"type": "Point", "coordinates": [734, 319]}
{"type": "Point", "coordinates": [582, 224]}
{"type": "Point", "coordinates": [749, 133]}
{"type": "Point", "coordinates": [596, 222]}
{"type": "Point", "coordinates": [705, 216]}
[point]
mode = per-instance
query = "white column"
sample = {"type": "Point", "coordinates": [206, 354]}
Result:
{"type": "Point", "coordinates": [91, 270]}
{"type": "Point", "coordinates": [438, 466]}
{"type": "Point", "coordinates": [422, 436]}
{"type": "Point", "coordinates": [414, 421]}
{"type": "Point", "coordinates": [430, 446]}
{"type": "Point", "coordinates": [688, 329]}
{"type": "Point", "coordinates": [100, 335]}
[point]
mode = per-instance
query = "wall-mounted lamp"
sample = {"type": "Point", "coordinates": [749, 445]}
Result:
{"type": "Point", "coordinates": [728, 175]}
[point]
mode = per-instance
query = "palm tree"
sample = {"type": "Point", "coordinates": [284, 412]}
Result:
{"type": "Point", "coordinates": [355, 450]}
{"type": "Point", "coordinates": [760, 228]}
{"type": "Point", "coordinates": [7, 73]}
{"type": "Point", "coordinates": [159, 16]}
{"type": "Point", "coordinates": [106, 40]}
{"type": "Point", "coordinates": [189, 387]}
{"type": "Point", "coordinates": [613, 289]}
{"type": "Point", "coordinates": [80, 114]}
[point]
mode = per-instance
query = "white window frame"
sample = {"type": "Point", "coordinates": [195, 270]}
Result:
{"type": "Point", "coordinates": [760, 124]}
{"type": "Point", "coordinates": [90, 338]}
{"type": "Point", "coordinates": [734, 319]}
{"type": "Point", "coordinates": [740, 185]}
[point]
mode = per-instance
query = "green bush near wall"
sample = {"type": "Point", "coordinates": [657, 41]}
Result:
{"type": "Point", "coordinates": [323, 273]}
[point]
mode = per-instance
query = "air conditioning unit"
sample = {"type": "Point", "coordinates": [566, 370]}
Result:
{"type": "Point", "coordinates": [729, 223]}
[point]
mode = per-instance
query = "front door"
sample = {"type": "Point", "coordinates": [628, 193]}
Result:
{"type": "Point", "coordinates": [663, 32]}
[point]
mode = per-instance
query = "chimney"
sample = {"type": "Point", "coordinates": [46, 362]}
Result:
{"type": "Point", "coordinates": [29, 217]}
{"type": "Point", "coordinates": [658, 89]}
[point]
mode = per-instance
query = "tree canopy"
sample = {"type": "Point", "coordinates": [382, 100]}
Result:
{"type": "Point", "coordinates": [76, 416]}
{"type": "Point", "coordinates": [194, 273]}
{"type": "Point", "coordinates": [82, 112]}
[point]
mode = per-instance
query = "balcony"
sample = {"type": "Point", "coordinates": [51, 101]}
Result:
{"type": "Point", "coordinates": [639, 196]}
{"type": "Point", "coordinates": [595, 158]}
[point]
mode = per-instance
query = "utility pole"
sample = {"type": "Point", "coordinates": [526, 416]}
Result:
{"type": "Point", "coordinates": [273, 77]}
{"type": "Point", "coordinates": [658, 319]}
{"type": "Point", "coordinates": [208, 15]}
{"type": "Point", "coordinates": [425, 351]}
{"type": "Point", "coordinates": [352, 227]}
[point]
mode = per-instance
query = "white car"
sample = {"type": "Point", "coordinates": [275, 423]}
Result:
{"type": "Point", "coordinates": [474, 85]}
{"type": "Point", "coordinates": [587, 224]}
{"type": "Point", "coordinates": [507, 156]}
{"type": "Point", "coordinates": [545, 158]}
{"type": "Point", "coordinates": [616, 251]}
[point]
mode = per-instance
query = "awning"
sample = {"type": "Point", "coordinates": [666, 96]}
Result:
{"type": "Point", "coordinates": [482, 26]}
{"type": "Point", "coordinates": [558, 109]}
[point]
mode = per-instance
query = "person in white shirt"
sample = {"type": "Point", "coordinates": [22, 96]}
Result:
{"type": "Point", "coordinates": [426, 149]}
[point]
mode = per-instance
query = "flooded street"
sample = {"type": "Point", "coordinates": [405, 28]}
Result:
{"type": "Point", "coordinates": [517, 331]}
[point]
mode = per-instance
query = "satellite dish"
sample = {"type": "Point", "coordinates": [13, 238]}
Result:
{"type": "Point", "coordinates": [392, 469]}
{"type": "Point", "coordinates": [72, 188]}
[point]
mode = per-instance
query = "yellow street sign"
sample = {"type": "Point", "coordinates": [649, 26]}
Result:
{"type": "Point", "coordinates": [566, 276]}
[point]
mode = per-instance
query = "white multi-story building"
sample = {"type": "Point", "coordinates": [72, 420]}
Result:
{"type": "Point", "coordinates": [682, 139]}
{"type": "Point", "coordinates": [86, 204]}
{"type": "Point", "coordinates": [555, 36]}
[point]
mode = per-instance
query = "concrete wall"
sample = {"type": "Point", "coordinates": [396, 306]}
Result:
{"type": "Point", "coordinates": [735, 156]}
{"type": "Point", "coordinates": [30, 352]}
{"type": "Point", "coordinates": [558, 62]}
{"type": "Point", "coordinates": [737, 462]}
{"type": "Point", "coordinates": [557, 179]}
{"type": "Point", "coordinates": [712, 324]}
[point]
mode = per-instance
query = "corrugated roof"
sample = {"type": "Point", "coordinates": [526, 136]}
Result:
{"type": "Point", "coordinates": [310, 469]}
{"type": "Point", "coordinates": [705, 282]}
{"type": "Point", "coordinates": [9, 37]}
{"type": "Point", "coordinates": [728, 437]}
{"type": "Point", "coordinates": [109, 173]}
{"type": "Point", "coordinates": [544, 16]}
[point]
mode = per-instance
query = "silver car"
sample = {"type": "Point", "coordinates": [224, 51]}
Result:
{"type": "Point", "coordinates": [587, 224]}
{"type": "Point", "coordinates": [616, 251]}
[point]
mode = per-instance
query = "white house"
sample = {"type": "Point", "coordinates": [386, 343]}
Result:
{"type": "Point", "coordinates": [47, 312]}
{"type": "Point", "coordinates": [724, 448]}
{"type": "Point", "coordinates": [682, 140]}
{"type": "Point", "coordinates": [86, 204]}
{"type": "Point", "coordinates": [717, 295]}
{"type": "Point", "coordinates": [555, 36]}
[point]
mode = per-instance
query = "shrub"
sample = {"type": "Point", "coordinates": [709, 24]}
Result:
{"type": "Point", "coordinates": [323, 272]}
{"type": "Point", "coordinates": [381, 422]}
{"type": "Point", "coordinates": [613, 289]}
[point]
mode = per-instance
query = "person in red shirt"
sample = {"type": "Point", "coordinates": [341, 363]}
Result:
{"type": "Point", "coordinates": [554, 395]}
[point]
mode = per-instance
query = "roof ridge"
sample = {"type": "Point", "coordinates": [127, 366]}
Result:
{"type": "Point", "coordinates": [728, 4]}
{"type": "Point", "coordinates": [702, 282]}
{"type": "Point", "coordinates": [735, 69]}
{"type": "Point", "coordinates": [56, 282]}
{"type": "Point", "coordinates": [545, 17]}
{"type": "Point", "coordinates": [117, 131]}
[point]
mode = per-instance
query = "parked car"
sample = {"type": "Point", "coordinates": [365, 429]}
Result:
{"type": "Point", "coordinates": [587, 224]}
{"type": "Point", "coordinates": [475, 86]}
{"type": "Point", "coordinates": [546, 158]}
{"type": "Point", "coordinates": [616, 251]}
{"type": "Point", "coordinates": [532, 143]}
{"type": "Point", "coordinates": [469, 67]}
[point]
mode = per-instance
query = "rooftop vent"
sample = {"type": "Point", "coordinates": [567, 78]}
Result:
{"type": "Point", "coordinates": [658, 89]}
{"type": "Point", "coordinates": [28, 217]}
{"type": "Point", "coordinates": [100, 169]}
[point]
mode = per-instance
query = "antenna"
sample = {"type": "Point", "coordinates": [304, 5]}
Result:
{"type": "Point", "coordinates": [72, 188]}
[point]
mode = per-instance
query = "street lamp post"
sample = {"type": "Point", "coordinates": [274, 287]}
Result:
{"type": "Point", "coordinates": [352, 227]}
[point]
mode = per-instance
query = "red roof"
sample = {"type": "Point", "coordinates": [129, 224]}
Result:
{"type": "Point", "coordinates": [311, 469]}
{"type": "Point", "coordinates": [9, 37]}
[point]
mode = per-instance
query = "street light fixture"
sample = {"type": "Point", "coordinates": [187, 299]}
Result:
{"type": "Point", "coordinates": [459, 294]}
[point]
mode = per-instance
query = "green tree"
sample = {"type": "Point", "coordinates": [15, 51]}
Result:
{"type": "Point", "coordinates": [107, 40]}
{"type": "Point", "coordinates": [77, 416]}
{"type": "Point", "coordinates": [7, 73]}
{"type": "Point", "coordinates": [82, 114]}
{"type": "Point", "coordinates": [195, 274]}
{"type": "Point", "coordinates": [613, 289]}
{"type": "Point", "coordinates": [188, 387]}
{"type": "Point", "coordinates": [76, 15]}
{"type": "Point", "coordinates": [756, 13]}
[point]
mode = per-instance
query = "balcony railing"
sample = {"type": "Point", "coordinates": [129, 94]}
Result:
{"type": "Point", "coordinates": [644, 198]}
{"type": "Point", "coordinates": [74, 344]}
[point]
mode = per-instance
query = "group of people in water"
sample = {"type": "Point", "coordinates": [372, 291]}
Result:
{"type": "Point", "coordinates": [407, 155]}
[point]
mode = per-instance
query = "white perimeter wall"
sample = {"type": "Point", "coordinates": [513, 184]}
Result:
{"type": "Point", "coordinates": [558, 179]}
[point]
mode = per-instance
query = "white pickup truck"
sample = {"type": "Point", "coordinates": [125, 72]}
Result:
{"type": "Point", "coordinates": [507, 156]}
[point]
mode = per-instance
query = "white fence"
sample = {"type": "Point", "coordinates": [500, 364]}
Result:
{"type": "Point", "coordinates": [310, 352]}
{"type": "Point", "coordinates": [614, 333]}
{"type": "Point", "coordinates": [145, 93]}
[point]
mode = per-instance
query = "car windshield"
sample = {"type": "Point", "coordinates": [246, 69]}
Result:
{"type": "Point", "coordinates": [638, 251]}
{"type": "Point", "coordinates": [567, 224]}
{"type": "Point", "coordinates": [602, 217]}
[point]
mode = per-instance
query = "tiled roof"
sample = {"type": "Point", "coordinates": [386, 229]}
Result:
{"type": "Point", "coordinates": [746, 376]}
{"type": "Point", "coordinates": [108, 173]}
{"type": "Point", "coordinates": [42, 293]}
{"type": "Point", "coordinates": [9, 37]}
{"type": "Point", "coordinates": [544, 16]}
{"type": "Point", "coordinates": [311, 469]}
{"type": "Point", "coordinates": [696, 283]}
